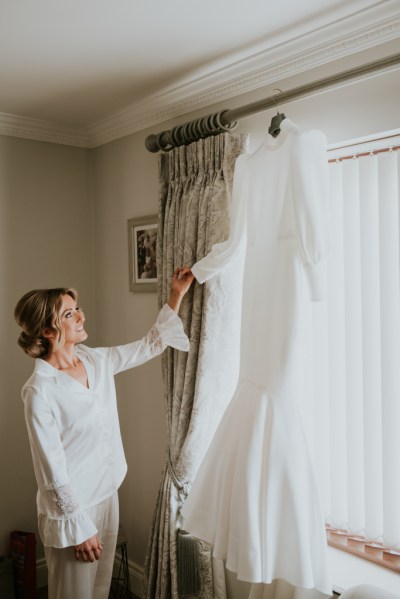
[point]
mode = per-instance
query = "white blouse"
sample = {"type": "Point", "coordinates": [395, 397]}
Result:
{"type": "Point", "coordinates": [74, 431]}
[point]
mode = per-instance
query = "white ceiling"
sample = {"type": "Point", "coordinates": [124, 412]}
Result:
{"type": "Point", "coordinates": [89, 67]}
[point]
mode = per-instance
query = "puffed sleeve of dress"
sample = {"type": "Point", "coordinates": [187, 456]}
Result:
{"type": "Point", "coordinates": [167, 331]}
{"type": "Point", "coordinates": [310, 193]}
{"type": "Point", "coordinates": [66, 524]}
{"type": "Point", "coordinates": [223, 253]}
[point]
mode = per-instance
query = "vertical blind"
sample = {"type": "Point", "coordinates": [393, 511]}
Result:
{"type": "Point", "coordinates": [356, 409]}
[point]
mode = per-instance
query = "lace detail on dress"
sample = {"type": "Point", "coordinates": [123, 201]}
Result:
{"type": "Point", "coordinates": [63, 498]}
{"type": "Point", "coordinates": [154, 341]}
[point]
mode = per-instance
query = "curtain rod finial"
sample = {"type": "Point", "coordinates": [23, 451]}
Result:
{"type": "Point", "coordinates": [152, 143]}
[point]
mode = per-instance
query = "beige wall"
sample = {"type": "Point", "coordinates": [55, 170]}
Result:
{"type": "Point", "coordinates": [125, 185]}
{"type": "Point", "coordinates": [46, 228]}
{"type": "Point", "coordinates": [45, 241]}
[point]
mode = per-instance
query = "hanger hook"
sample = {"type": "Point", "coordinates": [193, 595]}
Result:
{"type": "Point", "coordinates": [276, 89]}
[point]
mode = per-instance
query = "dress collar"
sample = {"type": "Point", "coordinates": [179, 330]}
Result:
{"type": "Point", "coordinates": [286, 126]}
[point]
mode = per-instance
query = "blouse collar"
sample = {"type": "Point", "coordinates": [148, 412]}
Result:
{"type": "Point", "coordinates": [45, 369]}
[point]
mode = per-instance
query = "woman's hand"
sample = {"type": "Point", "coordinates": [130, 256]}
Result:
{"type": "Point", "coordinates": [181, 281]}
{"type": "Point", "coordinates": [89, 550]}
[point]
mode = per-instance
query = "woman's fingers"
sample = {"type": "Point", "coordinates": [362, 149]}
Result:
{"type": "Point", "coordinates": [89, 551]}
{"type": "Point", "coordinates": [87, 555]}
{"type": "Point", "coordinates": [182, 271]}
{"type": "Point", "coordinates": [183, 277]}
{"type": "Point", "coordinates": [97, 553]}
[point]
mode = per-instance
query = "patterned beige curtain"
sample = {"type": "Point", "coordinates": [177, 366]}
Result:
{"type": "Point", "coordinates": [194, 214]}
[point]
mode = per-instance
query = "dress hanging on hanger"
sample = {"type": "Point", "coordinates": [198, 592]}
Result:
{"type": "Point", "coordinates": [255, 497]}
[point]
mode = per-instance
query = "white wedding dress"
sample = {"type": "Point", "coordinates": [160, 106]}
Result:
{"type": "Point", "coordinates": [255, 497]}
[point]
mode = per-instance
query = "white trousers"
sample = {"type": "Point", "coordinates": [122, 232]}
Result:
{"type": "Point", "coordinates": [72, 579]}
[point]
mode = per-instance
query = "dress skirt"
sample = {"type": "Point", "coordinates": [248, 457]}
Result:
{"type": "Point", "coordinates": [255, 496]}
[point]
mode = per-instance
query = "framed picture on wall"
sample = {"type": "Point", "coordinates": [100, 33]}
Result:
{"type": "Point", "coordinates": [142, 247]}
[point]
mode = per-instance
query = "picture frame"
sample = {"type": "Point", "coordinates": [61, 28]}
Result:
{"type": "Point", "coordinates": [142, 248]}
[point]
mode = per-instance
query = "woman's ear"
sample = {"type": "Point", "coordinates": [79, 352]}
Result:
{"type": "Point", "coordinates": [48, 333]}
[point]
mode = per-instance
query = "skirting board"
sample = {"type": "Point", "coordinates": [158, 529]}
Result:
{"type": "Point", "coordinates": [41, 573]}
{"type": "Point", "coordinates": [135, 573]}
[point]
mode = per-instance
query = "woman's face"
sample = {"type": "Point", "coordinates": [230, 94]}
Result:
{"type": "Point", "coordinates": [72, 321]}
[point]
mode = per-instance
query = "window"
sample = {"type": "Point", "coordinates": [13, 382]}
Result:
{"type": "Point", "coordinates": [355, 414]}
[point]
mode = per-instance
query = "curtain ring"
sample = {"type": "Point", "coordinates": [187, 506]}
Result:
{"type": "Point", "coordinates": [218, 119]}
{"type": "Point", "coordinates": [176, 135]}
{"type": "Point", "coordinates": [165, 145]}
{"type": "Point", "coordinates": [222, 126]}
{"type": "Point", "coordinates": [185, 133]}
{"type": "Point", "coordinates": [193, 135]}
{"type": "Point", "coordinates": [181, 134]}
{"type": "Point", "coordinates": [199, 128]}
{"type": "Point", "coordinates": [188, 132]}
{"type": "Point", "coordinates": [210, 125]}
{"type": "Point", "coordinates": [203, 126]}
{"type": "Point", "coordinates": [173, 136]}
{"type": "Point", "coordinates": [216, 125]}
{"type": "Point", "coordinates": [192, 131]}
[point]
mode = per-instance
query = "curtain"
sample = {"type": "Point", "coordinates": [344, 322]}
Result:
{"type": "Point", "coordinates": [194, 208]}
{"type": "Point", "coordinates": [356, 414]}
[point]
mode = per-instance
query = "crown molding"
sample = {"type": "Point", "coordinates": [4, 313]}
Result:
{"type": "Point", "coordinates": [244, 73]}
{"type": "Point", "coordinates": [39, 130]}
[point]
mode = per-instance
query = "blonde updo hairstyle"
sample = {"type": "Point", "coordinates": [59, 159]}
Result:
{"type": "Point", "coordinates": [37, 311]}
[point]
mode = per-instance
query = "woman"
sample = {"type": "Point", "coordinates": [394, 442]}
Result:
{"type": "Point", "coordinates": [71, 416]}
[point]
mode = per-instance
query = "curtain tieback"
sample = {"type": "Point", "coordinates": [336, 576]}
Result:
{"type": "Point", "coordinates": [187, 551]}
{"type": "Point", "coordinates": [182, 486]}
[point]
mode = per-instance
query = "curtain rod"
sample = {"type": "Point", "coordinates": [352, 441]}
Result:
{"type": "Point", "coordinates": [226, 120]}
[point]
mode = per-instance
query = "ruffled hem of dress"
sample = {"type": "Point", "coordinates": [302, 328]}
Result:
{"type": "Point", "coordinates": [66, 532]}
{"type": "Point", "coordinates": [255, 497]}
{"type": "Point", "coordinates": [171, 330]}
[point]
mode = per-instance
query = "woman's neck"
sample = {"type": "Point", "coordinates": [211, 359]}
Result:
{"type": "Point", "coordinates": [64, 358]}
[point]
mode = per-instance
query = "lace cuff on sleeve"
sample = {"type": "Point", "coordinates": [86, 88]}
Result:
{"type": "Point", "coordinates": [63, 524]}
{"type": "Point", "coordinates": [168, 331]}
{"type": "Point", "coordinates": [62, 499]}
